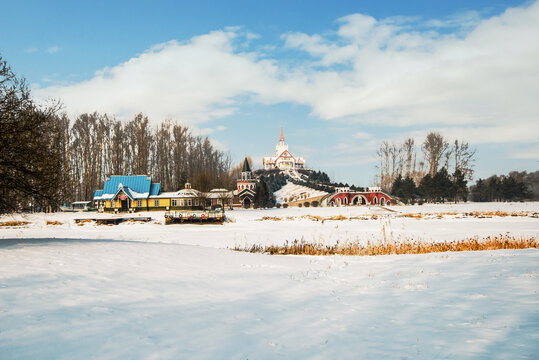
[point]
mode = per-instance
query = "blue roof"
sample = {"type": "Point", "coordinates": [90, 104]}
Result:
{"type": "Point", "coordinates": [155, 189]}
{"type": "Point", "coordinates": [137, 183]}
{"type": "Point", "coordinates": [135, 186]}
{"type": "Point", "coordinates": [128, 193]}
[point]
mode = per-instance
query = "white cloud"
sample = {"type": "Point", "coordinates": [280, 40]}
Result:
{"type": "Point", "coordinates": [362, 135]}
{"type": "Point", "coordinates": [53, 49]}
{"type": "Point", "coordinates": [400, 76]}
{"type": "Point", "coordinates": [482, 77]}
{"type": "Point", "coordinates": [191, 82]}
{"type": "Point", "coordinates": [527, 153]}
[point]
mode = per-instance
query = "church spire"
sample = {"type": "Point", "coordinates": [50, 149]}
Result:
{"type": "Point", "coordinates": [282, 135]}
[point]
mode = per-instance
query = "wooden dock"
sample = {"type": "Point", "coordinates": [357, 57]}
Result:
{"type": "Point", "coordinates": [194, 216]}
{"type": "Point", "coordinates": [114, 220]}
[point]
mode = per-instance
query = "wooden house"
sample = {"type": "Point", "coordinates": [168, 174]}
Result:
{"type": "Point", "coordinates": [132, 193]}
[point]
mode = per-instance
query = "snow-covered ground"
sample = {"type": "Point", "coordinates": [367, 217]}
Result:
{"type": "Point", "coordinates": [152, 291]}
{"type": "Point", "coordinates": [247, 227]}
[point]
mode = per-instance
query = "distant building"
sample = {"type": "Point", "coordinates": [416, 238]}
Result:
{"type": "Point", "coordinates": [246, 187]}
{"type": "Point", "coordinates": [283, 159]}
{"type": "Point", "coordinates": [221, 198]}
{"type": "Point", "coordinates": [343, 196]}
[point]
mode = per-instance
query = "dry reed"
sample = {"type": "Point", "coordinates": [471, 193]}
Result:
{"type": "Point", "coordinates": [54, 222]}
{"type": "Point", "coordinates": [14, 223]}
{"type": "Point", "coordinates": [394, 248]}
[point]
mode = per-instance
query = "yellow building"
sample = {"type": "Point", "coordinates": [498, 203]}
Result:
{"type": "Point", "coordinates": [133, 193]}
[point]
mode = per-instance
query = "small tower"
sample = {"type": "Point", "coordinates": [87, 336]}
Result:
{"type": "Point", "coordinates": [188, 184]}
{"type": "Point", "coordinates": [246, 173]}
{"type": "Point", "coordinates": [246, 186]}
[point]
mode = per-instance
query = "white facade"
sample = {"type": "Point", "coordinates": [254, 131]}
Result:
{"type": "Point", "coordinates": [283, 159]}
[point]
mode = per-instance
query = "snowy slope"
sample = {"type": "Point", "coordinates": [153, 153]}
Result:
{"type": "Point", "coordinates": [292, 192]}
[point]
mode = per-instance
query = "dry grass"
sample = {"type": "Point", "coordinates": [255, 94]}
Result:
{"type": "Point", "coordinates": [473, 214]}
{"type": "Point", "coordinates": [395, 248]}
{"type": "Point", "coordinates": [418, 216]}
{"type": "Point", "coordinates": [412, 215]}
{"type": "Point", "coordinates": [318, 218]}
{"type": "Point", "coordinates": [14, 223]}
{"type": "Point", "coordinates": [81, 222]}
{"type": "Point", "coordinates": [54, 222]}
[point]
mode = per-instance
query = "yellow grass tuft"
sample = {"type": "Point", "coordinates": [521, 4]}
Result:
{"type": "Point", "coordinates": [395, 248]}
{"type": "Point", "coordinates": [81, 222]}
{"type": "Point", "coordinates": [14, 223]}
{"type": "Point", "coordinates": [54, 222]}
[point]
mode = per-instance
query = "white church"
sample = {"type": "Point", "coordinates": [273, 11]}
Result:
{"type": "Point", "coordinates": [283, 159]}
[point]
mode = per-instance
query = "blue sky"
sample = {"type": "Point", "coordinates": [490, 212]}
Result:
{"type": "Point", "coordinates": [340, 77]}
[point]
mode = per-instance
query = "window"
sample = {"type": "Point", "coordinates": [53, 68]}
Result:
{"type": "Point", "coordinates": [174, 202]}
{"type": "Point", "coordinates": [139, 203]}
{"type": "Point", "coordinates": [156, 203]}
{"type": "Point", "coordinates": [182, 202]}
{"type": "Point", "coordinates": [189, 202]}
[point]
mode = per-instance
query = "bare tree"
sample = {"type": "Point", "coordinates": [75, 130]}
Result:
{"type": "Point", "coordinates": [434, 148]}
{"type": "Point", "coordinates": [383, 155]}
{"type": "Point", "coordinates": [464, 157]}
{"type": "Point", "coordinates": [140, 140]}
{"type": "Point", "coordinates": [409, 151]}
{"type": "Point", "coordinates": [32, 148]}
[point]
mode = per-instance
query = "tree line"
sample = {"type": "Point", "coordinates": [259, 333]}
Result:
{"type": "Point", "coordinates": [438, 188]}
{"type": "Point", "coordinates": [98, 146]}
{"type": "Point", "coordinates": [47, 159]}
{"type": "Point", "coordinates": [438, 170]}
{"type": "Point", "coordinates": [513, 186]}
{"type": "Point", "coordinates": [435, 152]}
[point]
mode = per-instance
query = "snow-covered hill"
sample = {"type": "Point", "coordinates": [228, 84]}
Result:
{"type": "Point", "coordinates": [292, 192]}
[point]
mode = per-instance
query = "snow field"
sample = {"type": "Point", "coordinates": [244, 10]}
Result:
{"type": "Point", "coordinates": [246, 227]}
{"type": "Point", "coordinates": [151, 291]}
{"type": "Point", "coordinates": [65, 299]}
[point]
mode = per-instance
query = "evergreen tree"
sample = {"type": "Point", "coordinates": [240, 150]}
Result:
{"type": "Point", "coordinates": [396, 189]}
{"type": "Point", "coordinates": [442, 185]}
{"type": "Point", "coordinates": [460, 189]}
{"type": "Point", "coordinates": [263, 196]}
{"type": "Point", "coordinates": [408, 190]}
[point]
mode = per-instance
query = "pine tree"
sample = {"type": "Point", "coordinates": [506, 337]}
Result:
{"type": "Point", "coordinates": [459, 189]}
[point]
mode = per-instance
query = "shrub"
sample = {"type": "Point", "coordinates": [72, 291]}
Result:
{"type": "Point", "coordinates": [277, 205]}
{"type": "Point", "coordinates": [315, 203]}
{"type": "Point", "coordinates": [285, 206]}
{"type": "Point", "coordinates": [306, 204]}
{"type": "Point", "coordinates": [299, 205]}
